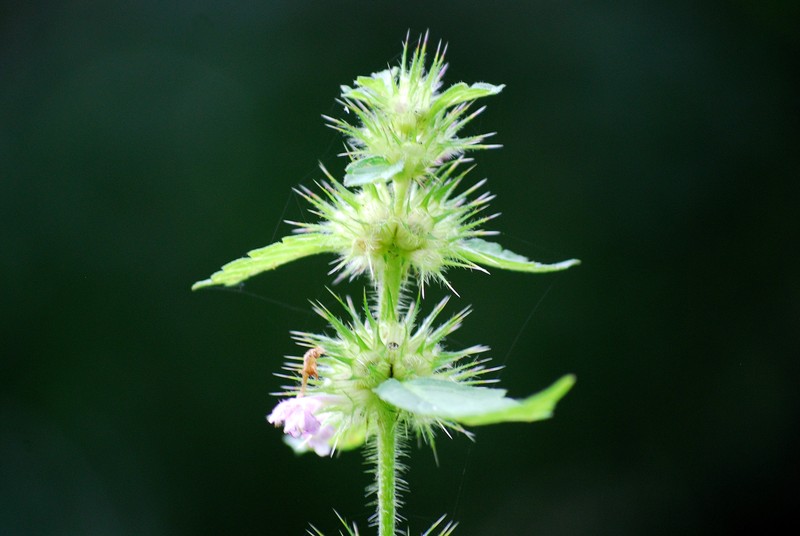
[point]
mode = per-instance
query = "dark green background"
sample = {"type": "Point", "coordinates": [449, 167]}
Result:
{"type": "Point", "coordinates": [144, 144]}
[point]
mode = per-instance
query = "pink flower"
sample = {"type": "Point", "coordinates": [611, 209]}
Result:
{"type": "Point", "coordinates": [320, 441]}
{"type": "Point", "coordinates": [299, 419]}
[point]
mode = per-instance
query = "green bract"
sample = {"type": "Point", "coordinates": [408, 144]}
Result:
{"type": "Point", "coordinates": [400, 217]}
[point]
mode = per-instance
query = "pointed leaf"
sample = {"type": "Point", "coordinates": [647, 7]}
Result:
{"type": "Point", "coordinates": [468, 404]}
{"type": "Point", "coordinates": [461, 92]}
{"type": "Point", "coordinates": [290, 248]}
{"type": "Point", "coordinates": [369, 170]}
{"type": "Point", "coordinates": [533, 408]}
{"type": "Point", "coordinates": [492, 254]}
{"type": "Point", "coordinates": [379, 83]}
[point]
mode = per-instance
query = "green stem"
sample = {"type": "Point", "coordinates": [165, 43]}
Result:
{"type": "Point", "coordinates": [401, 185]}
{"type": "Point", "coordinates": [389, 290]}
{"type": "Point", "coordinates": [387, 473]}
{"type": "Point", "coordinates": [390, 283]}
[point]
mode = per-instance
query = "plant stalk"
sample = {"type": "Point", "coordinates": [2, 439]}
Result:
{"type": "Point", "coordinates": [387, 473]}
{"type": "Point", "coordinates": [400, 185]}
{"type": "Point", "coordinates": [389, 292]}
{"type": "Point", "coordinates": [390, 283]}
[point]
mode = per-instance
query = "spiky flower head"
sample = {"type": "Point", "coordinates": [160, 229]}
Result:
{"type": "Point", "coordinates": [361, 353]}
{"type": "Point", "coordinates": [427, 235]}
{"type": "Point", "coordinates": [405, 127]}
{"type": "Point", "coordinates": [367, 367]}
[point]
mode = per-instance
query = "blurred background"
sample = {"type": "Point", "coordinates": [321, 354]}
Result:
{"type": "Point", "coordinates": [144, 144]}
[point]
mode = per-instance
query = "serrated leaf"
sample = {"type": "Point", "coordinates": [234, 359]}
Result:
{"type": "Point", "coordinates": [290, 248]}
{"type": "Point", "coordinates": [369, 170]}
{"type": "Point", "coordinates": [468, 404]}
{"type": "Point", "coordinates": [461, 92]}
{"type": "Point", "coordinates": [492, 254]}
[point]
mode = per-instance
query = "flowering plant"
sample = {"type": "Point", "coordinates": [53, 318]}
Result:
{"type": "Point", "coordinates": [382, 373]}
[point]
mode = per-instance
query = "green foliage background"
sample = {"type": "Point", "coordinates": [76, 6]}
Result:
{"type": "Point", "coordinates": [143, 145]}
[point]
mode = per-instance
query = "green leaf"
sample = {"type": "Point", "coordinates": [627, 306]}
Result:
{"type": "Point", "coordinates": [379, 83]}
{"type": "Point", "coordinates": [290, 248]}
{"type": "Point", "coordinates": [468, 404]}
{"type": "Point", "coordinates": [492, 254]}
{"type": "Point", "coordinates": [369, 170]}
{"type": "Point", "coordinates": [461, 92]}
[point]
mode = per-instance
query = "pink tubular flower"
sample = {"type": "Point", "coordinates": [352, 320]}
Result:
{"type": "Point", "coordinates": [320, 441]}
{"type": "Point", "coordinates": [300, 422]}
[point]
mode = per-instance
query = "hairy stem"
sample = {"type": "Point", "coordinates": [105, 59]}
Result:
{"type": "Point", "coordinates": [387, 473]}
{"type": "Point", "coordinates": [390, 284]}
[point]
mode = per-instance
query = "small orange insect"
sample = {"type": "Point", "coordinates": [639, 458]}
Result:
{"type": "Point", "coordinates": [310, 366]}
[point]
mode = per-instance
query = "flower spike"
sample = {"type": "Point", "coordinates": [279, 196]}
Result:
{"type": "Point", "coordinates": [402, 217]}
{"type": "Point", "coordinates": [407, 129]}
